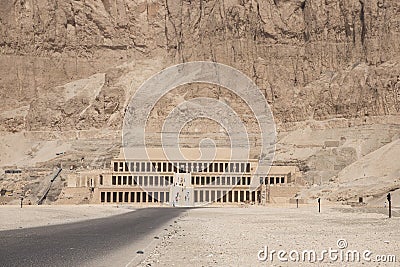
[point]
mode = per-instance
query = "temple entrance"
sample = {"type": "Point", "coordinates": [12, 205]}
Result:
{"type": "Point", "coordinates": [181, 191]}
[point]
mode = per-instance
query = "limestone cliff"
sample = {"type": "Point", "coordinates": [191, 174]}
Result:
{"type": "Point", "coordinates": [312, 58]}
{"type": "Point", "coordinates": [68, 69]}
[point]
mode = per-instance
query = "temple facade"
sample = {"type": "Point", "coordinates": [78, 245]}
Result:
{"type": "Point", "coordinates": [153, 178]}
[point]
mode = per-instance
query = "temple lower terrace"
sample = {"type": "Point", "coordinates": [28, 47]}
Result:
{"type": "Point", "coordinates": [190, 182]}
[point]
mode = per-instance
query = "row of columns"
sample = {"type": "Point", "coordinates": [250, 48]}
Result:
{"type": "Point", "coordinates": [220, 196]}
{"type": "Point", "coordinates": [221, 180]}
{"type": "Point", "coordinates": [154, 180]}
{"type": "Point", "coordinates": [224, 196]}
{"type": "Point", "coordinates": [232, 167]}
{"type": "Point", "coordinates": [273, 180]}
{"type": "Point", "coordinates": [142, 180]}
{"type": "Point", "coordinates": [134, 197]}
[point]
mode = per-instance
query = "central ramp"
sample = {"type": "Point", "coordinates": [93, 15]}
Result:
{"type": "Point", "coordinates": [181, 191]}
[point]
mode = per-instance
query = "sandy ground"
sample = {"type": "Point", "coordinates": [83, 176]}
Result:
{"type": "Point", "coordinates": [13, 217]}
{"type": "Point", "coordinates": [233, 236]}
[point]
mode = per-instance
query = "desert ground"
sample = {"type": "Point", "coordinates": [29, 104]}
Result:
{"type": "Point", "coordinates": [14, 217]}
{"type": "Point", "coordinates": [233, 236]}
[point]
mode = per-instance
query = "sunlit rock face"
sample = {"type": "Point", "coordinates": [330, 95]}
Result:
{"type": "Point", "coordinates": [68, 70]}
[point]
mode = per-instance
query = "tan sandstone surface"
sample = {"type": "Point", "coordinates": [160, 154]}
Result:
{"type": "Point", "coordinates": [14, 217]}
{"type": "Point", "coordinates": [233, 236]}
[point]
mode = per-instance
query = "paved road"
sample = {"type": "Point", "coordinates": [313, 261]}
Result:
{"type": "Point", "coordinates": [82, 243]}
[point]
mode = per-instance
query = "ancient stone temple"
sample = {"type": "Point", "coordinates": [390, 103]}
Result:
{"type": "Point", "coordinates": [154, 178]}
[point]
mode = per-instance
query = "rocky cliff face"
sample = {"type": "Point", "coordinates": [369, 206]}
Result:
{"type": "Point", "coordinates": [329, 68]}
{"type": "Point", "coordinates": [314, 59]}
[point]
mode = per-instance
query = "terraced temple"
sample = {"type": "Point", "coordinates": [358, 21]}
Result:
{"type": "Point", "coordinates": [157, 179]}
